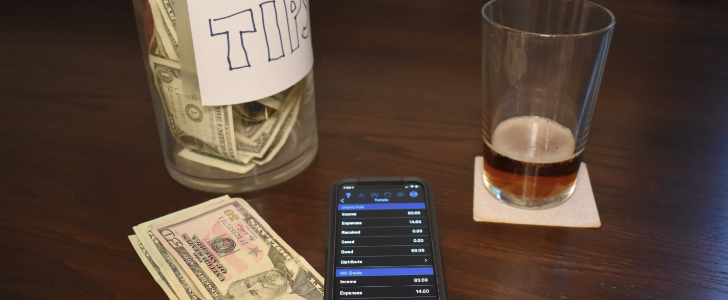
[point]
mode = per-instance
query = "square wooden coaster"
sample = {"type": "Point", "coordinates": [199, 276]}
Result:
{"type": "Point", "coordinates": [580, 210]}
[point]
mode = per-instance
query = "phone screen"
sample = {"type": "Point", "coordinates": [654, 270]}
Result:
{"type": "Point", "coordinates": [382, 243]}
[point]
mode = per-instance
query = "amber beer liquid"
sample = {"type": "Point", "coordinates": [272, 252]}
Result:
{"type": "Point", "coordinates": [530, 161]}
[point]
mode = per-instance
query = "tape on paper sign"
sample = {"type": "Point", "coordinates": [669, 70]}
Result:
{"type": "Point", "coordinates": [246, 50]}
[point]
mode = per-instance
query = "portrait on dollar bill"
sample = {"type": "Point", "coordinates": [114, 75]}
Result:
{"type": "Point", "coordinates": [286, 281]}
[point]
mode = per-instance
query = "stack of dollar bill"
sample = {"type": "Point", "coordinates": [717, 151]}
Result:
{"type": "Point", "coordinates": [223, 250]}
{"type": "Point", "coordinates": [235, 138]}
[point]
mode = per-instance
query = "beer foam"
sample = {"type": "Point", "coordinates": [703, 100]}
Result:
{"type": "Point", "coordinates": [533, 139]}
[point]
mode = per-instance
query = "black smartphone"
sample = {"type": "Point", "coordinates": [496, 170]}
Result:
{"type": "Point", "coordinates": [383, 241]}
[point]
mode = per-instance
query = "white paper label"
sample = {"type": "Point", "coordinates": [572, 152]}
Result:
{"type": "Point", "coordinates": [246, 50]}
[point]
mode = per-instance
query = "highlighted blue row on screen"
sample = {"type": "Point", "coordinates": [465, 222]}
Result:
{"type": "Point", "coordinates": [385, 272]}
{"type": "Point", "coordinates": [374, 206]}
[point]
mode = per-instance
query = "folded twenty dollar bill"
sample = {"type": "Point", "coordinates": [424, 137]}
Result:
{"type": "Point", "coordinates": [223, 250]}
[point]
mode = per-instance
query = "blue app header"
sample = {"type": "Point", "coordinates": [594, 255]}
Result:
{"type": "Point", "coordinates": [378, 206]}
{"type": "Point", "coordinates": [385, 272]}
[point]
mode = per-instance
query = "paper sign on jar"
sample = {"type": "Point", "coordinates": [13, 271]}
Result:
{"type": "Point", "coordinates": [246, 50]}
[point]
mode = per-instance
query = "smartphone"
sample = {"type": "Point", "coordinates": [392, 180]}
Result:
{"type": "Point", "coordinates": [383, 241]}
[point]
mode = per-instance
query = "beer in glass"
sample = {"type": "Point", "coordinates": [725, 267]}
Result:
{"type": "Point", "coordinates": [542, 65]}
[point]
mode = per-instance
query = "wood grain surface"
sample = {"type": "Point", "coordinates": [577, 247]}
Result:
{"type": "Point", "coordinates": [397, 93]}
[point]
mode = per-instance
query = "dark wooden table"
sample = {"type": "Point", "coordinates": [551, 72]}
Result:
{"type": "Point", "coordinates": [397, 93]}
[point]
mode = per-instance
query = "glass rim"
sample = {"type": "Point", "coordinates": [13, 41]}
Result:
{"type": "Point", "coordinates": [545, 35]}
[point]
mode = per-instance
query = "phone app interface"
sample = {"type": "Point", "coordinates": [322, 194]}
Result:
{"type": "Point", "coordinates": [383, 246]}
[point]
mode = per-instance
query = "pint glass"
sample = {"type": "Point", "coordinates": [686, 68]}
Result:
{"type": "Point", "coordinates": [542, 65]}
